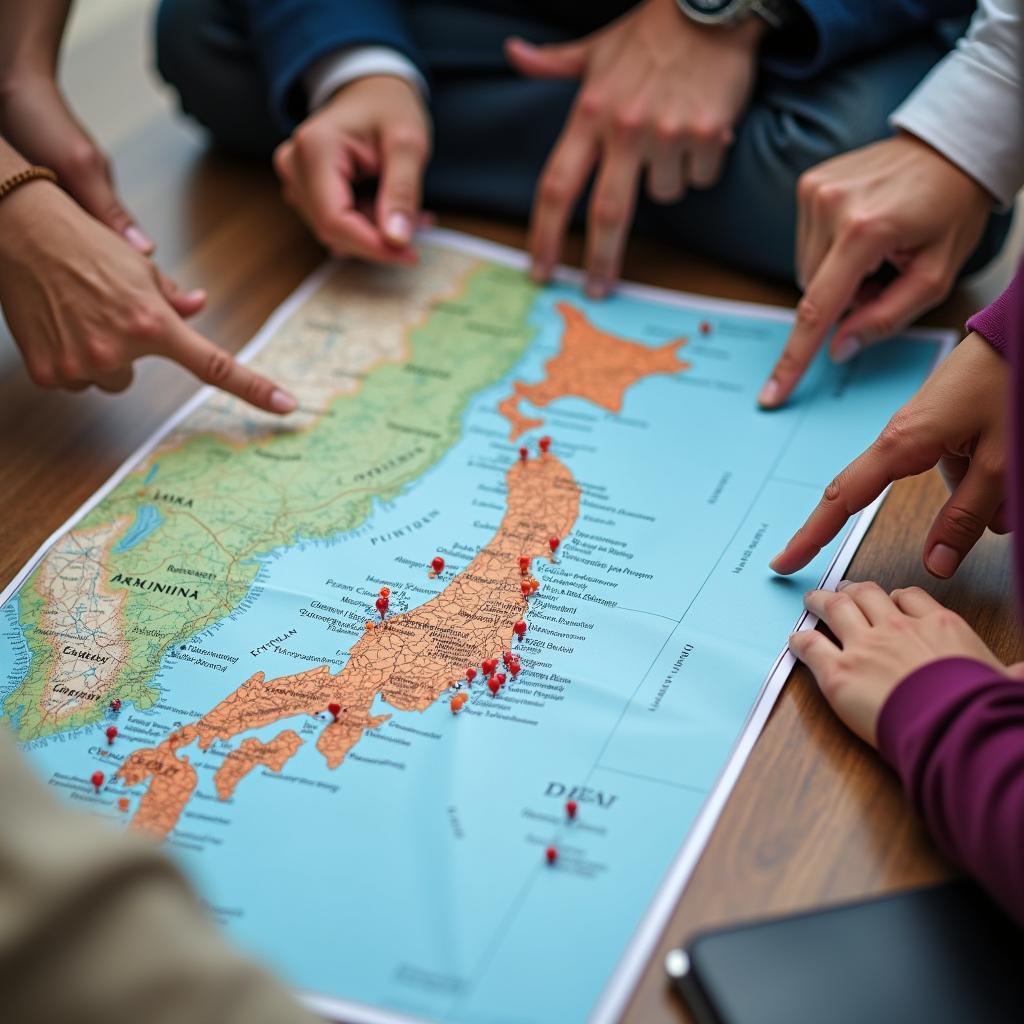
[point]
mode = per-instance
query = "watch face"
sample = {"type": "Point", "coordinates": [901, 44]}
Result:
{"type": "Point", "coordinates": [711, 7]}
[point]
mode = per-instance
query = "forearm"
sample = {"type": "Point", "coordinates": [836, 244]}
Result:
{"type": "Point", "coordinates": [954, 731]}
{"type": "Point", "coordinates": [11, 161]}
{"type": "Point", "coordinates": [30, 35]}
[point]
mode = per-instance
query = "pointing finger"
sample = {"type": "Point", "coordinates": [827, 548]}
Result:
{"type": "Point", "coordinates": [398, 195]}
{"type": "Point", "coordinates": [831, 290]}
{"type": "Point", "coordinates": [213, 365]}
{"type": "Point", "coordinates": [610, 215]}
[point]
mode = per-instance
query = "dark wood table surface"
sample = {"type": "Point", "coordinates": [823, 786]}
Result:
{"type": "Point", "coordinates": [815, 817]}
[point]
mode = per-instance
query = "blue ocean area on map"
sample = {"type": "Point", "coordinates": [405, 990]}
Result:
{"type": "Point", "coordinates": [413, 876]}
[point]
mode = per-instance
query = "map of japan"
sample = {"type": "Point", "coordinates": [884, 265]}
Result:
{"type": "Point", "coordinates": [355, 809]}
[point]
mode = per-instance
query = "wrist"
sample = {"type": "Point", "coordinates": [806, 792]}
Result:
{"type": "Point", "coordinates": [19, 210]}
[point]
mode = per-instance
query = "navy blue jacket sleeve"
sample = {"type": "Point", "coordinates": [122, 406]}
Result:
{"type": "Point", "coordinates": [829, 31]}
{"type": "Point", "coordinates": [287, 36]}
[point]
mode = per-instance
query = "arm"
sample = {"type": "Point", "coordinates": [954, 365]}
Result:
{"type": "Point", "coordinates": [969, 107]}
{"type": "Point", "coordinates": [954, 732]}
{"type": "Point", "coordinates": [960, 145]}
{"type": "Point", "coordinates": [37, 120]}
{"type": "Point", "coordinates": [111, 920]}
{"type": "Point", "coordinates": [830, 31]}
{"type": "Point", "coordinates": [290, 36]}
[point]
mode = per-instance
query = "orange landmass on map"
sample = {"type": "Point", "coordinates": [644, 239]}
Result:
{"type": "Point", "coordinates": [410, 662]}
{"type": "Point", "coordinates": [415, 657]}
{"type": "Point", "coordinates": [591, 364]}
{"type": "Point", "coordinates": [250, 753]}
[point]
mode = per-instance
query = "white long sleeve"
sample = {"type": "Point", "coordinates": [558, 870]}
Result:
{"type": "Point", "coordinates": [970, 107]}
{"type": "Point", "coordinates": [327, 75]}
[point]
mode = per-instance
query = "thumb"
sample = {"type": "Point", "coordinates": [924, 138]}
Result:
{"type": "Point", "coordinates": [184, 303]}
{"type": "Point", "coordinates": [559, 60]}
{"type": "Point", "coordinates": [92, 187]}
{"type": "Point", "coordinates": [403, 156]}
{"type": "Point", "coordinates": [962, 520]}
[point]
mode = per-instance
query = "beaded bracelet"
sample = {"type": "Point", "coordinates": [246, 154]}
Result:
{"type": "Point", "coordinates": [8, 185]}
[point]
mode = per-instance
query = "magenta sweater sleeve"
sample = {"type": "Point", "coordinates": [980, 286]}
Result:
{"type": "Point", "coordinates": [954, 731]}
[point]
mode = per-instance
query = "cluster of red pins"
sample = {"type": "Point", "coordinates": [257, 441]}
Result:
{"type": "Point", "coordinates": [528, 586]}
{"type": "Point", "coordinates": [383, 602]}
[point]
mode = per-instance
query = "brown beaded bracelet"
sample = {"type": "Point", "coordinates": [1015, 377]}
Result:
{"type": "Point", "coordinates": [8, 185]}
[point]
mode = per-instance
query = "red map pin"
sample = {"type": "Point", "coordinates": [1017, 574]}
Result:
{"type": "Point", "coordinates": [705, 327]}
{"type": "Point", "coordinates": [524, 454]}
{"type": "Point", "coordinates": [115, 705]}
{"type": "Point", "coordinates": [382, 606]}
{"type": "Point", "coordinates": [111, 733]}
{"type": "Point", "coordinates": [524, 564]}
{"type": "Point", "coordinates": [385, 592]}
{"type": "Point", "coordinates": [499, 678]}
{"type": "Point", "coordinates": [553, 544]}
{"type": "Point", "coordinates": [544, 444]}
{"type": "Point", "coordinates": [437, 564]}
{"type": "Point", "coordinates": [551, 855]}
{"type": "Point", "coordinates": [335, 710]}
{"type": "Point", "coordinates": [493, 685]}
{"type": "Point", "coordinates": [514, 667]}
{"type": "Point", "coordinates": [97, 780]}
{"type": "Point", "coordinates": [570, 809]}
{"type": "Point", "coordinates": [470, 675]}
{"type": "Point", "coordinates": [457, 702]}
{"type": "Point", "coordinates": [525, 588]}
{"type": "Point", "coordinates": [519, 629]}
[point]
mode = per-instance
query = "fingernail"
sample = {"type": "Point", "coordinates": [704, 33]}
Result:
{"type": "Point", "coordinates": [138, 239]}
{"type": "Point", "coordinates": [398, 228]}
{"type": "Point", "coordinates": [282, 401]}
{"type": "Point", "coordinates": [847, 349]}
{"type": "Point", "coordinates": [196, 295]}
{"type": "Point", "coordinates": [942, 561]}
{"type": "Point", "coordinates": [769, 395]}
{"type": "Point", "coordinates": [843, 584]}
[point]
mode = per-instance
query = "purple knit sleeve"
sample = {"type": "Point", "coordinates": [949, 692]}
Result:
{"type": "Point", "coordinates": [996, 323]}
{"type": "Point", "coordinates": [954, 732]}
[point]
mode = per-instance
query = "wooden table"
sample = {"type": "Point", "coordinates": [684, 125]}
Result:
{"type": "Point", "coordinates": [815, 817]}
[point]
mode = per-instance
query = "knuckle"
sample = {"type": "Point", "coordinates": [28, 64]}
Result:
{"type": "Point", "coordinates": [860, 224]}
{"type": "Point", "coordinates": [591, 105]}
{"type": "Point", "coordinates": [408, 140]}
{"type": "Point", "coordinates": [809, 314]}
{"type": "Point", "coordinates": [282, 159]}
{"type": "Point", "coordinates": [69, 369]}
{"type": "Point", "coordinates": [555, 189]}
{"type": "Point", "coordinates": [947, 620]}
{"type": "Point", "coordinates": [834, 601]}
{"type": "Point", "coordinates": [42, 375]}
{"type": "Point", "coordinates": [402, 194]}
{"type": "Point", "coordinates": [828, 196]}
{"type": "Point", "coordinates": [217, 368]}
{"type": "Point", "coordinates": [85, 159]}
{"type": "Point", "coordinates": [101, 354]}
{"type": "Point", "coordinates": [807, 185]}
{"type": "Point", "coordinates": [835, 492]}
{"type": "Point", "coordinates": [608, 211]}
{"type": "Point", "coordinates": [147, 321]}
{"type": "Point", "coordinates": [936, 283]}
{"type": "Point", "coordinates": [668, 131]}
{"type": "Point", "coordinates": [896, 435]}
{"type": "Point", "coordinates": [704, 132]}
{"type": "Point", "coordinates": [628, 123]}
{"type": "Point", "coordinates": [963, 523]}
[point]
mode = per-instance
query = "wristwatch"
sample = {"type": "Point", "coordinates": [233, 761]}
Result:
{"type": "Point", "coordinates": [727, 12]}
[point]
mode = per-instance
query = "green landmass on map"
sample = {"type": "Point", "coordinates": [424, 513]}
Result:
{"type": "Point", "coordinates": [238, 503]}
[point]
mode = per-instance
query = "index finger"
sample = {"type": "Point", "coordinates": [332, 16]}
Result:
{"type": "Point", "coordinates": [560, 184]}
{"type": "Point", "coordinates": [213, 365]}
{"type": "Point", "coordinates": [828, 294]}
{"type": "Point", "coordinates": [891, 457]}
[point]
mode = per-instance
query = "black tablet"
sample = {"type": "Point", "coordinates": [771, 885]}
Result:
{"type": "Point", "coordinates": [939, 955]}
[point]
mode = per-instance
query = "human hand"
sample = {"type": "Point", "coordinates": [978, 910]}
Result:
{"type": "Point", "coordinates": [958, 421]}
{"type": "Point", "coordinates": [373, 127]}
{"type": "Point", "coordinates": [36, 120]}
{"type": "Point", "coordinates": [882, 639]}
{"type": "Point", "coordinates": [899, 202]}
{"type": "Point", "coordinates": [660, 95]}
{"type": "Point", "coordinates": [82, 305]}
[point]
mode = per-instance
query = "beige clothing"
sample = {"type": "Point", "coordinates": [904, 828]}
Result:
{"type": "Point", "coordinates": [96, 926]}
